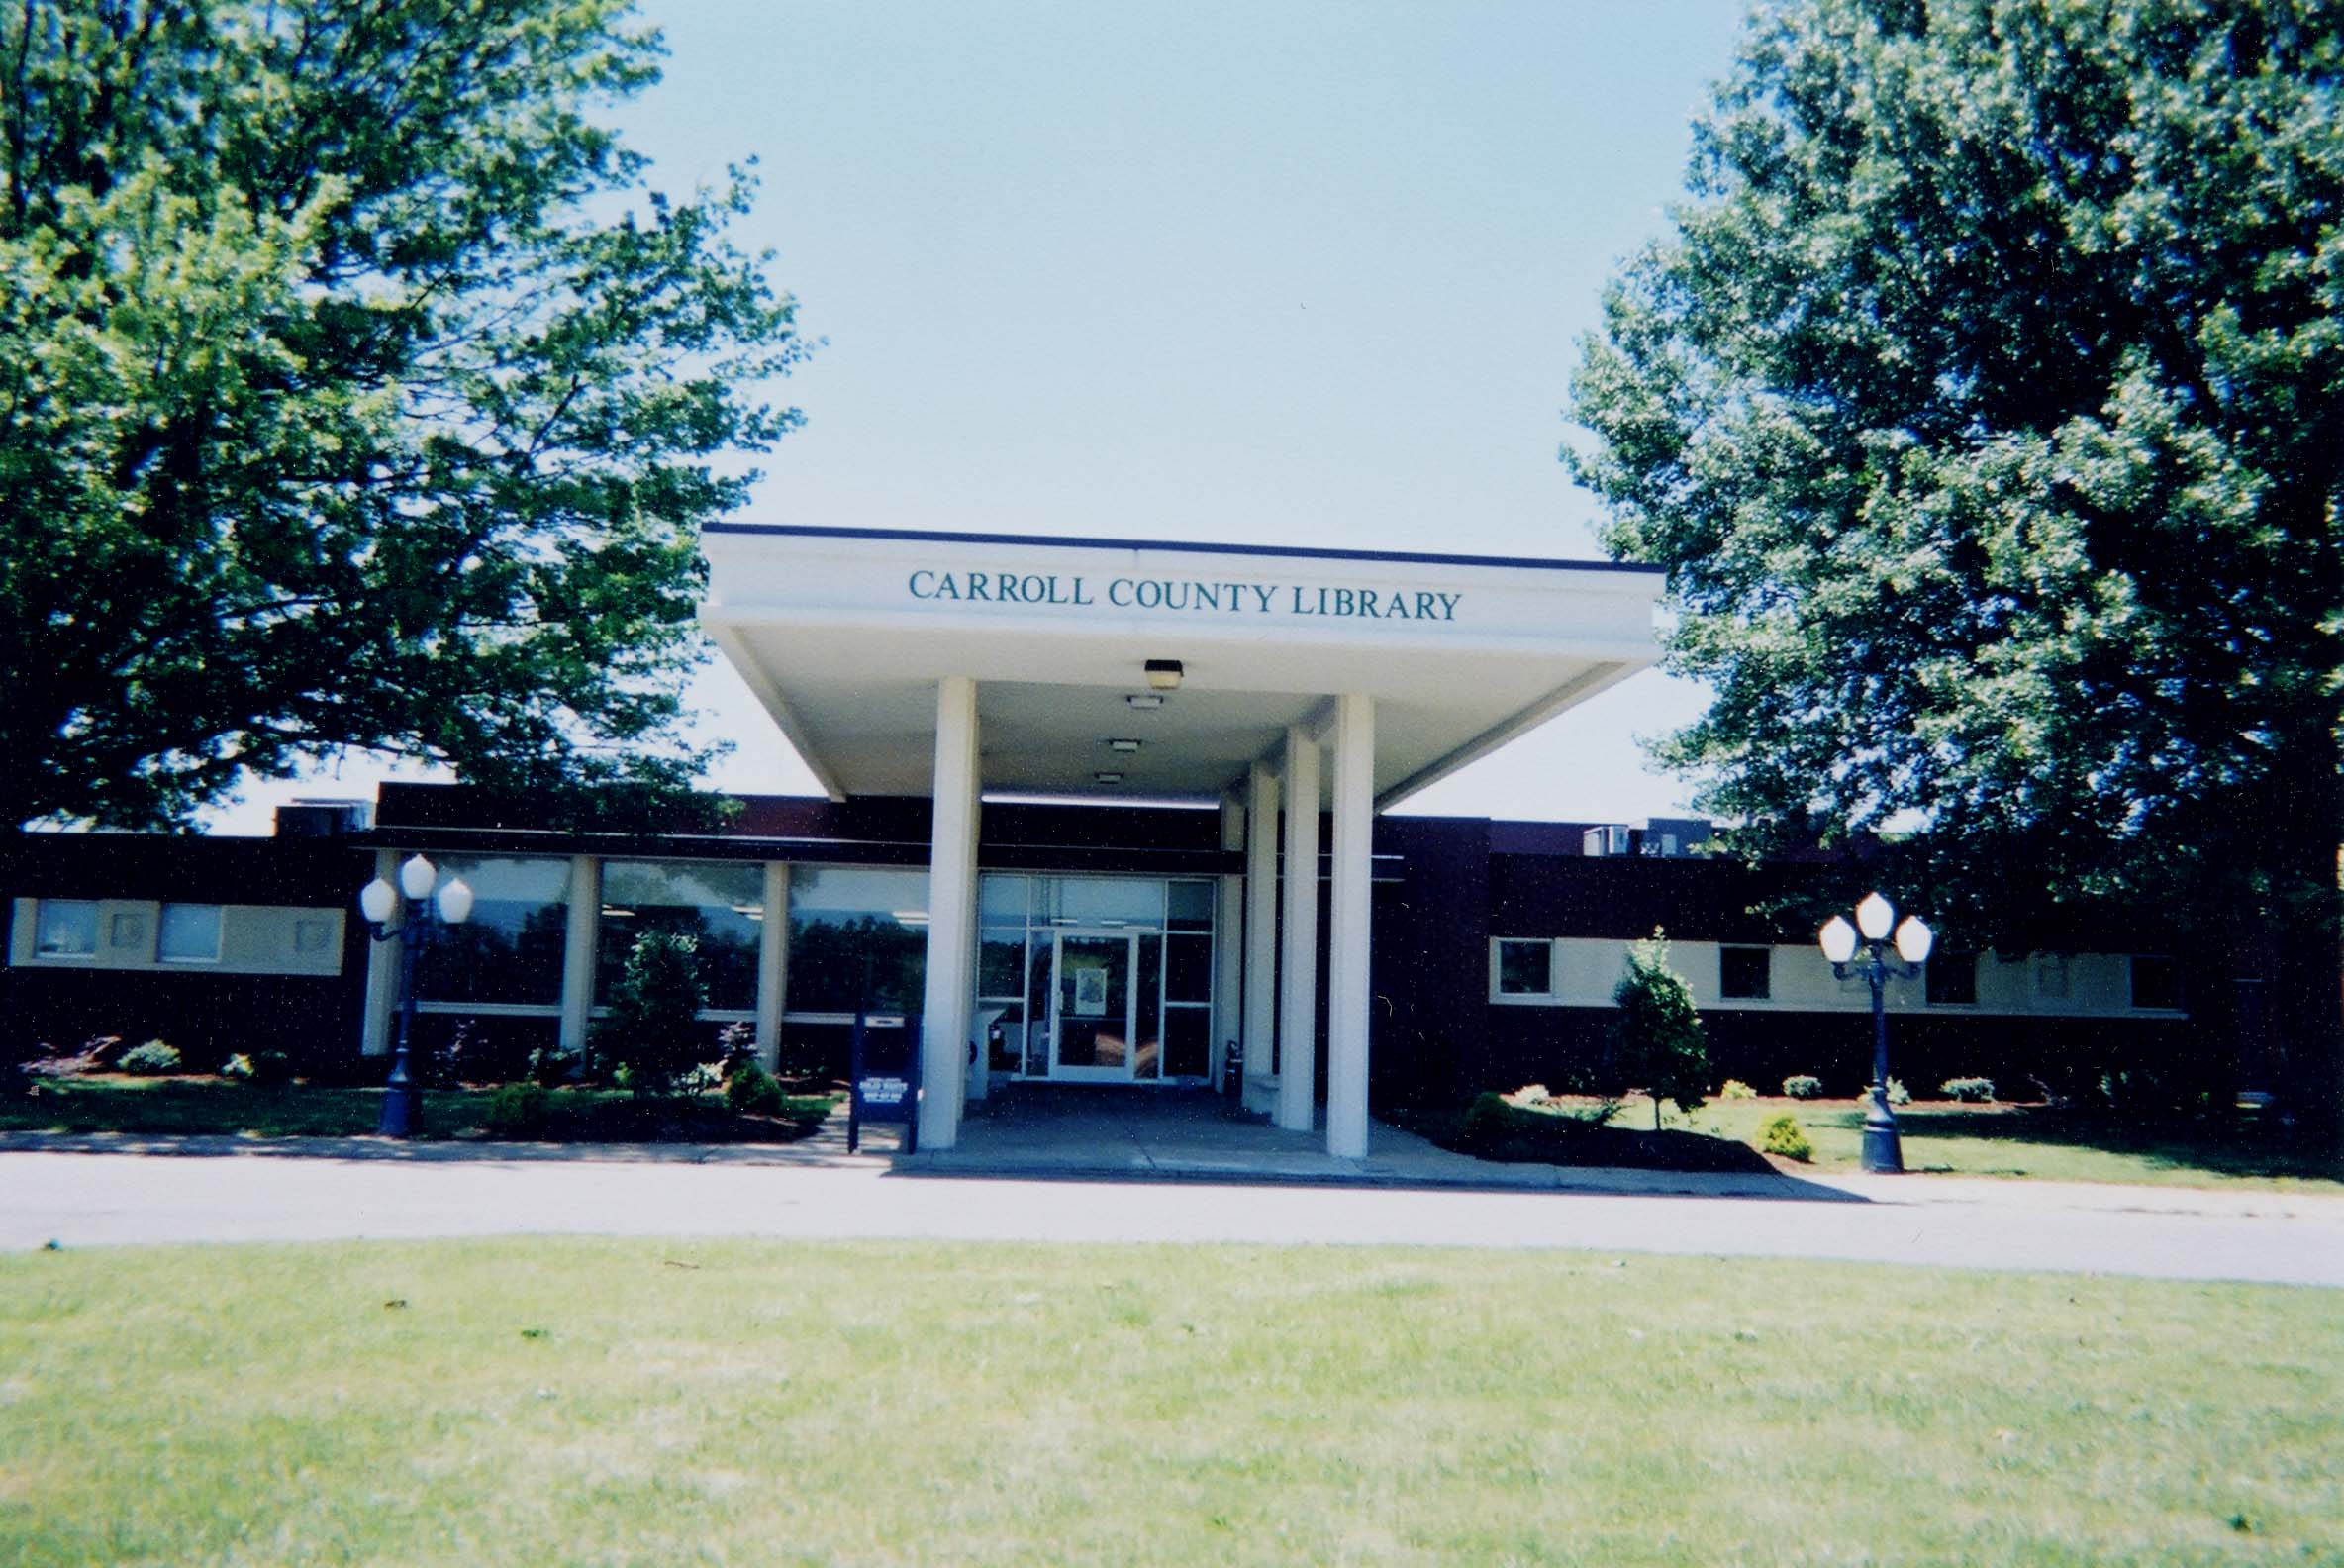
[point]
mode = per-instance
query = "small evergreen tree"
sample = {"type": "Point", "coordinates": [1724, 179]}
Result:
{"type": "Point", "coordinates": [1659, 1031]}
{"type": "Point", "coordinates": [653, 1028]}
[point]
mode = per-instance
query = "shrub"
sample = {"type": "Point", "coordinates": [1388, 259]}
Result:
{"type": "Point", "coordinates": [653, 1034]}
{"type": "Point", "coordinates": [552, 1066]}
{"type": "Point", "coordinates": [1804, 1086]}
{"type": "Point", "coordinates": [151, 1060]}
{"type": "Point", "coordinates": [519, 1110]}
{"type": "Point", "coordinates": [265, 1069]}
{"type": "Point", "coordinates": [736, 1045]}
{"type": "Point", "coordinates": [753, 1092]}
{"type": "Point", "coordinates": [1735, 1089]}
{"type": "Point", "coordinates": [1659, 1030]}
{"type": "Point", "coordinates": [1782, 1136]}
{"type": "Point", "coordinates": [1974, 1091]}
{"type": "Point", "coordinates": [1488, 1121]}
{"type": "Point", "coordinates": [1897, 1093]}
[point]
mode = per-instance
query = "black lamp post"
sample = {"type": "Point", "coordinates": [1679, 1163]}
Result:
{"type": "Point", "coordinates": [402, 1103]}
{"type": "Point", "coordinates": [1883, 1150]}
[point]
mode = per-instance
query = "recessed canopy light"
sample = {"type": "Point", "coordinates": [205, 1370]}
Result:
{"type": "Point", "coordinates": [1163, 674]}
{"type": "Point", "coordinates": [1125, 747]}
{"type": "Point", "coordinates": [1108, 778]}
{"type": "Point", "coordinates": [1145, 700]}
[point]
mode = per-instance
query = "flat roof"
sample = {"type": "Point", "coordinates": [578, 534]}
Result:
{"type": "Point", "coordinates": [1089, 542]}
{"type": "Point", "coordinates": [843, 635]}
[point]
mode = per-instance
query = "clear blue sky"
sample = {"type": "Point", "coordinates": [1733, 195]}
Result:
{"type": "Point", "coordinates": [1301, 273]}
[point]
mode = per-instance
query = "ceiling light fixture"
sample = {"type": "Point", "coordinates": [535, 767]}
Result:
{"type": "Point", "coordinates": [1145, 700]}
{"type": "Point", "coordinates": [1108, 778]}
{"type": "Point", "coordinates": [1125, 747]}
{"type": "Point", "coordinates": [1164, 674]}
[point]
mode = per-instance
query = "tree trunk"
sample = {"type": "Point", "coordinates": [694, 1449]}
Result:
{"type": "Point", "coordinates": [2308, 911]}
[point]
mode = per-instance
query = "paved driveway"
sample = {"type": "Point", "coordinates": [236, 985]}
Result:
{"type": "Point", "coordinates": [81, 1199]}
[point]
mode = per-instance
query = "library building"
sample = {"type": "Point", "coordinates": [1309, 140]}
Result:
{"type": "Point", "coordinates": [1094, 812]}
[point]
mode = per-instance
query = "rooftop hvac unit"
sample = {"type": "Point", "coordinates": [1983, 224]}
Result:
{"type": "Point", "coordinates": [1612, 839]}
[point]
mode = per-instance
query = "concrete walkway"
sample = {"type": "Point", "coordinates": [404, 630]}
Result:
{"type": "Point", "coordinates": [1184, 1178]}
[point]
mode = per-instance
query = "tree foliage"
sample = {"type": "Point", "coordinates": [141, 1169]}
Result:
{"type": "Point", "coordinates": [357, 392]}
{"type": "Point", "coordinates": [1986, 408]}
{"type": "Point", "coordinates": [1661, 1045]}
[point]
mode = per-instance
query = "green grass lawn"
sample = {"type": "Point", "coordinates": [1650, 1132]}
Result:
{"type": "Point", "coordinates": [196, 1106]}
{"type": "Point", "coordinates": [2029, 1140]}
{"type": "Point", "coordinates": [544, 1401]}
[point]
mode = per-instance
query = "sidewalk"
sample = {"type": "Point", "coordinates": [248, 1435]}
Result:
{"type": "Point", "coordinates": [1073, 1138]}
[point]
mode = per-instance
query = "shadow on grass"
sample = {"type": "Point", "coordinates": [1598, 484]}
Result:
{"type": "Point", "coordinates": [2240, 1145]}
{"type": "Point", "coordinates": [1508, 1135]}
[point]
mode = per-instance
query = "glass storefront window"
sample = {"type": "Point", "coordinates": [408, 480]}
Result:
{"type": "Point", "coordinates": [1025, 925]}
{"type": "Point", "coordinates": [1002, 899]}
{"type": "Point", "coordinates": [1101, 901]}
{"type": "Point", "coordinates": [1148, 1040]}
{"type": "Point", "coordinates": [1001, 963]}
{"type": "Point", "coordinates": [1188, 970]}
{"type": "Point", "coordinates": [858, 939]}
{"type": "Point", "coordinates": [1191, 906]}
{"type": "Point", "coordinates": [720, 904]}
{"type": "Point", "coordinates": [510, 949]}
{"type": "Point", "coordinates": [1188, 1041]}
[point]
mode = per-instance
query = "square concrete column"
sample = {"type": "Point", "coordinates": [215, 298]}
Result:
{"type": "Point", "coordinates": [1348, 917]}
{"type": "Point", "coordinates": [1298, 1014]}
{"type": "Point", "coordinates": [1229, 972]}
{"type": "Point", "coordinates": [1260, 1030]}
{"type": "Point", "coordinates": [578, 953]}
{"type": "Point", "coordinates": [951, 917]}
{"type": "Point", "coordinates": [773, 964]}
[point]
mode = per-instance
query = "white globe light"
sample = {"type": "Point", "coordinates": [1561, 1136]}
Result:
{"type": "Point", "coordinates": [1915, 940]}
{"type": "Point", "coordinates": [416, 878]}
{"type": "Point", "coordinates": [455, 901]}
{"type": "Point", "coordinates": [376, 900]}
{"type": "Point", "coordinates": [1838, 939]}
{"type": "Point", "coordinates": [1875, 915]}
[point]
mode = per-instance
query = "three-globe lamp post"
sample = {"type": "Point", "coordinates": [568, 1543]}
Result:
{"type": "Point", "coordinates": [1883, 1150]}
{"type": "Point", "coordinates": [427, 915]}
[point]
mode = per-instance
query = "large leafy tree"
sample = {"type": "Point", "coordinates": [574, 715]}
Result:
{"type": "Point", "coordinates": [355, 391]}
{"type": "Point", "coordinates": [1987, 406]}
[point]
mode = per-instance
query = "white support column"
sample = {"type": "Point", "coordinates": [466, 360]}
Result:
{"type": "Point", "coordinates": [1228, 911]}
{"type": "Point", "coordinates": [1349, 918]}
{"type": "Point", "coordinates": [1261, 926]}
{"type": "Point", "coordinates": [578, 953]}
{"type": "Point", "coordinates": [1298, 1014]}
{"type": "Point", "coordinates": [382, 973]}
{"type": "Point", "coordinates": [1229, 972]}
{"type": "Point", "coordinates": [773, 964]}
{"type": "Point", "coordinates": [952, 916]}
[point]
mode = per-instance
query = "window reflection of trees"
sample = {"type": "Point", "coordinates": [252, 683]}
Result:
{"type": "Point", "coordinates": [845, 963]}
{"type": "Point", "coordinates": [507, 952]}
{"type": "Point", "coordinates": [728, 951]}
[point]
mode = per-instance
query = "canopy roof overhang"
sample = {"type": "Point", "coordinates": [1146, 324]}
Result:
{"type": "Point", "coordinates": [843, 635]}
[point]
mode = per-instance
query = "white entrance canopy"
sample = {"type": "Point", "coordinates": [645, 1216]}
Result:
{"type": "Point", "coordinates": [949, 665]}
{"type": "Point", "coordinates": [843, 635]}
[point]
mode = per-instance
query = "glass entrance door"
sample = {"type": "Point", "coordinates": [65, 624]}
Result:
{"type": "Point", "coordinates": [1091, 1008]}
